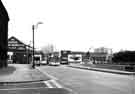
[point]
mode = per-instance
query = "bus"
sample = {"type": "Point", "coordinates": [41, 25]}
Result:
{"type": "Point", "coordinates": [37, 59]}
{"type": "Point", "coordinates": [64, 56]}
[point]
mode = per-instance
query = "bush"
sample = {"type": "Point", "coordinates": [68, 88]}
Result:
{"type": "Point", "coordinates": [124, 57]}
{"type": "Point", "coordinates": [130, 68]}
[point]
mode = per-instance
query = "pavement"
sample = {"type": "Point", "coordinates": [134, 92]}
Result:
{"type": "Point", "coordinates": [16, 73]}
{"type": "Point", "coordinates": [80, 66]}
{"type": "Point", "coordinates": [23, 79]}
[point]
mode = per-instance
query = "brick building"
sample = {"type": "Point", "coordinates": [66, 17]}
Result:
{"type": "Point", "coordinates": [4, 18]}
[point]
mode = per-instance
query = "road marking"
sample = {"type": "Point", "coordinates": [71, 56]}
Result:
{"type": "Point", "coordinates": [56, 84]}
{"type": "Point", "coordinates": [50, 76]}
{"type": "Point", "coordinates": [52, 84]}
{"type": "Point", "coordinates": [48, 84]}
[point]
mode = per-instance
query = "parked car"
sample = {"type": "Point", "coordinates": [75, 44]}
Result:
{"type": "Point", "coordinates": [54, 63]}
{"type": "Point", "coordinates": [37, 63]}
{"type": "Point", "coordinates": [44, 62]}
{"type": "Point", "coordinates": [10, 61]}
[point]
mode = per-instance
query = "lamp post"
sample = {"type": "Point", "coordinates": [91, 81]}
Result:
{"type": "Point", "coordinates": [89, 55]}
{"type": "Point", "coordinates": [33, 52]}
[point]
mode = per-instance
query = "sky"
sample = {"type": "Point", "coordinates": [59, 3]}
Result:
{"type": "Point", "coordinates": [74, 24]}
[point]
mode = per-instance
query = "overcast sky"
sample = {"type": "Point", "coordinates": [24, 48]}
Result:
{"type": "Point", "coordinates": [74, 24]}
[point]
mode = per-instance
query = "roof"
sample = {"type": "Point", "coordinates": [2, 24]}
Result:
{"type": "Point", "coordinates": [18, 41]}
{"type": "Point", "coordinates": [3, 13]}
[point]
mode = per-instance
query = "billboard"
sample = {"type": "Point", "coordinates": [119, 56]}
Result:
{"type": "Point", "coordinates": [74, 58]}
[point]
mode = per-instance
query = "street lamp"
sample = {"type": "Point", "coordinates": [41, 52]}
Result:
{"type": "Point", "coordinates": [89, 54]}
{"type": "Point", "coordinates": [33, 29]}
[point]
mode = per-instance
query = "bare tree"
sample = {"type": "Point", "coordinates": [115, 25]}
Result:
{"type": "Point", "coordinates": [48, 49]}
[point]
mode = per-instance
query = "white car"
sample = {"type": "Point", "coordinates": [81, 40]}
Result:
{"type": "Point", "coordinates": [54, 63]}
{"type": "Point", "coordinates": [44, 62]}
{"type": "Point", "coordinates": [10, 61]}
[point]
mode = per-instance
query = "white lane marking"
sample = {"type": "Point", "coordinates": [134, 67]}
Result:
{"type": "Point", "coordinates": [52, 84]}
{"type": "Point", "coordinates": [23, 88]}
{"type": "Point", "coordinates": [56, 84]}
{"type": "Point", "coordinates": [45, 73]}
{"type": "Point", "coordinates": [48, 84]}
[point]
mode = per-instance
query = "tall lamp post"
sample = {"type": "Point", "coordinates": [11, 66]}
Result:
{"type": "Point", "coordinates": [33, 29]}
{"type": "Point", "coordinates": [90, 57]}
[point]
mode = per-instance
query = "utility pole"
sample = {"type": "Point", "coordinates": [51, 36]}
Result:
{"type": "Point", "coordinates": [33, 52]}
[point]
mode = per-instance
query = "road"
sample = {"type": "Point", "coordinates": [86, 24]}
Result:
{"type": "Point", "coordinates": [82, 81]}
{"type": "Point", "coordinates": [40, 87]}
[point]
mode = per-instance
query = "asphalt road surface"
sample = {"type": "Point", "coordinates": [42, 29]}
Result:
{"type": "Point", "coordinates": [91, 82]}
{"type": "Point", "coordinates": [41, 87]}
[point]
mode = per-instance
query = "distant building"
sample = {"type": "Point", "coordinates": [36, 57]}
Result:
{"type": "Point", "coordinates": [21, 53]}
{"type": "Point", "coordinates": [99, 56]}
{"type": "Point", "coordinates": [18, 52]}
{"type": "Point", "coordinates": [101, 50]}
{"type": "Point", "coordinates": [102, 55]}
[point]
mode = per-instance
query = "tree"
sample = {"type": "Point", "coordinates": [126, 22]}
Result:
{"type": "Point", "coordinates": [48, 49]}
{"type": "Point", "coordinates": [124, 57]}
